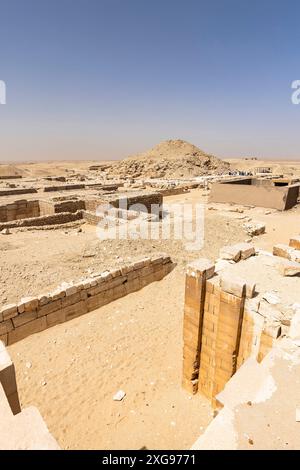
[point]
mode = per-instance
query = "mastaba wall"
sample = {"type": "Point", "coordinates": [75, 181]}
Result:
{"type": "Point", "coordinates": [220, 330]}
{"type": "Point", "coordinates": [281, 198]}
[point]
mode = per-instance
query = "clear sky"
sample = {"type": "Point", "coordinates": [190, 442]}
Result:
{"type": "Point", "coordinates": [101, 79]}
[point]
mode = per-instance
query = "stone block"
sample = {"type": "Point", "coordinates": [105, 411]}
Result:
{"type": "Point", "coordinates": [49, 308]}
{"type": "Point", "coordinates": [295, 242]}
{"type": "Point", "coordinates": [232, 252]}
{"type": "Point", "coordinates": [75, 310]}
{"type": "Point", "coordinates": [201, 268]}
{"type": "Point", "coordinates": [233, 285]}
{"type": "Point", "coordinates": [284, 251]}
{"type": "Point", "coordinates": [29, 328]}
{"type": "Point", "coordinates": [6, 326]}
{"type": "Point", "coordinates": [8, 311]}
{"type": "Point", "coordinates": [246, 250]}
{"type": "Point", "coordinates": [70, 300]}
{"type": "Point", "coordinates": [55, 318]}
{"type": "Point", "coordinates": [289, 268]}
{"type": "Point", "coordinates": [23, 318]}
{"type": "Point", "coordinates": [30, 303]}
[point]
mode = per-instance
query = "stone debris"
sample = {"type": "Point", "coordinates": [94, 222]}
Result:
{"type": "Point", "coordinates": [284, 251]}
{"type": "Point", "coordinates": [232, 252]}
{"type": "Point", "coordinates": [119, 395]}
{"type": "Point", "coordinates": [289, 268]}
{"type": "Point", "coordinates": [254, 228]}
{"type": "Point", "coordinates": [170, 159]}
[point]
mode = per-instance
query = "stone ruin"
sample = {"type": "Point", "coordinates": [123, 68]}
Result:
{"type": "Point", "coordinates": [238, 339]}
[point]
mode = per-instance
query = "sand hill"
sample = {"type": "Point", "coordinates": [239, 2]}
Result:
{"type": "Point", "coordinates": [169, 159]}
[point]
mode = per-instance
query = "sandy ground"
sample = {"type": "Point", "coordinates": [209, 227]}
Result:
{"type": "Point", "coordinates": [71, 372]}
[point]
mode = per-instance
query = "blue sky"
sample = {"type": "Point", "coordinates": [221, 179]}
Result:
{"type": "Point", "coordinates": [101, 79]}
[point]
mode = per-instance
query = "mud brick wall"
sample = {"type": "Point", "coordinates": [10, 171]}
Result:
{"type": "Point", "coordinates": [9, 192]}
{"type": "Point", "coordinates": [221, 329]}
{"type": "Point", "coordinates": [32, 315]}
{"type": "Point", "coordinates": [55, 207]}
{"type": "Point", "coordinates": [10, 177]}
{"type": "Point", "coordinates": [56, 219]}
{"type": "Point", "coordinates": [21, 209]}
{"type": "Point", "coordinates": [63, 187]}
{"type": "Point", "coordinates": [126, 201]}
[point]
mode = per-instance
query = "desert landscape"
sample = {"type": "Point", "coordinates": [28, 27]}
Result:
{"type": "Point", "coordinates": [100, 331]}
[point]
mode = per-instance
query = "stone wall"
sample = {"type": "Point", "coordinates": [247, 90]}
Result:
{"type": "Point", "coordinates": [131, 200]}
{"type": "Point", "coordinates": [221, 329]}
{"type": "Point", "coordinates": [63, 187]}
{"type": "Point", "coordinates": [55, 219]}
{"type": "Point", "coordinates": [10, 177]}
{"type": "Point", "coordinates": [11, 192]}
{"type": "Point", "coordinates": [32, 315]}
{"type": "Point", "coordinates": [21, 209]}
{"type": "Point", "coordinates": [54, 207]}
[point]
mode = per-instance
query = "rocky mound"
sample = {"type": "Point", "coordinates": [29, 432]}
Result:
{"type": "Point", "coordinates": [171, 159]}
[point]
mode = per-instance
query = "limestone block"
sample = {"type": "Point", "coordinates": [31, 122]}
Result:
{"type": "Point", "coordinates": [55, 318]}
{"type": "Point", "coordinates": [295, 256]}
{"type": "Point", "coordinates": [295, 242]}
{"type": "Point", "coordinates": [75, 310]}
{"type": "Point", "coordinates": [8, 311]}
{"type": "Point", "coordinates": [246, 249]}
{"type": "Point", "coordinates": [30, 303]}
{"type": "Point", "coordinates": [233, 285]}
{"type": "Point", "coordinates": [232, 252]}
{"type": "Point", "coordinates": [254, 228]}
{"type": "Point", "coordinates": [201, 267]}
{"type": "Point", "coordinates": [282, 250]}
{"type": "Point", "coordinates": [70, 300]}
{"type": "Point", "coordinates": [50, 307]}
{"type": "Point", "coordinates": [6, 326]}
{"type": "Point", "coordinates": [29, 328]}
{"type": "Point", "coordinates": [23, 318]}
{"type": "Point", "coordinates": [289, 268]}
{"type": "Point", "coordinates": [26, 431]}
{"type": "Point", "coordinates": [44, 299]}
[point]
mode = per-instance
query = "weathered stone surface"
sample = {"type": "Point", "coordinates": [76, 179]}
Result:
{"type": "Point", "coordinates": [202, 267]}
{"type": "Point", "coordinates": [254, 228]}
{"type": "Point", "coordinates": [246, 249]}
{"type": "Point", "coordinates": [8, 311]}
{"type": "Point", "coordinates": [284, 251]}
{"type": "Point", "coordinates": [232, 252]}
{"type": "Point", "coordinates": [289, 268]}
{"type": "Point", "coordinates": [233, 285]}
